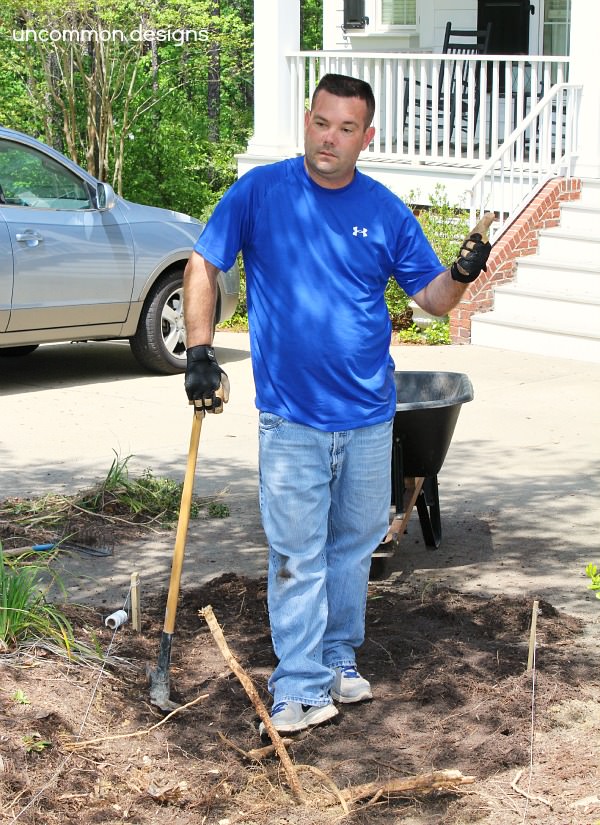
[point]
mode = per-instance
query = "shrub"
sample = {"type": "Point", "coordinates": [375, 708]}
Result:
{"type": "Point", "coordinates": [24, 611]}
{"type": "Point", "coordinates": [591, 571]}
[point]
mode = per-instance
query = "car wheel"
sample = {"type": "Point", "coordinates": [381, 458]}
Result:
{"type": "Point", "coordinates": [159, 343]}
{"type": "Point", "coordinates": [15, 352]}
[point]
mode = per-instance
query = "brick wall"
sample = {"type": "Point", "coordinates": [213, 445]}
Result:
{"type": "Point", "coordinates": [521, 238]}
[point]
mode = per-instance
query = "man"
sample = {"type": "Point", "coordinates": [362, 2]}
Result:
{"type": "Point", "coordinates": [320, 241]}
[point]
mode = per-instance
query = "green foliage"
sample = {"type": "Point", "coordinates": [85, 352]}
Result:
{"type": "Point", "coordinates": [216, 509]}
{"type": "Point", "coordinates": [311, 24]}
{"type": "Point", "coordinates": [20, 697]}
{"type": "Point", "coordinates": [591, 571]}
{"type": "Point", "coordinates": [156, 499]}
{"type": "Point", "coordinates": [16, 110]}
{"type": "Point", "coordinates": [176, 170]}
{"type": "Point", "coordinates": [444, 224]}
{"type": "Point", "coordinates": [410, 335]}
{"type": "Point", "coordinates": [24, 611]}
{"type": "Point", "coordinates": [35, 743]}
{"type": "Point", "coordinates": [239, 320]}
{"type": "Point", "coordinates": [398, 304]}
{"type": "Point", "coordinates": [437, 333]}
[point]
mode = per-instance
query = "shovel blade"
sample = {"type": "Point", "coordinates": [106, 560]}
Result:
{"type": "Point", "coordinates": [159, 676]}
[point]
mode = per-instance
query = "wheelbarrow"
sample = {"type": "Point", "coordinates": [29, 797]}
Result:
{"type": "Point", "coordinates": [427, 409]}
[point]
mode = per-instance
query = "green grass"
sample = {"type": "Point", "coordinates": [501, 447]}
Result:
{"type": "Point", "coordinates": [24, 612]}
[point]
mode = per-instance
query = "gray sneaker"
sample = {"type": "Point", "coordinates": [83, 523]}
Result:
{"type": "Point", "coordinates": [289, 717]}
{"type": "Point", "coordinates": [349, 686]}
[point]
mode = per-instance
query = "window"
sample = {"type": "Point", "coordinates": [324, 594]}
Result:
{"type": "Point", "coordinates": [399, 12]}
{"type": "Point", "coordinates": [29, 178]}
{"type": "Point", "coordinates": [557, 17]}
{"type": "Point", "coordinates": [354, 14]}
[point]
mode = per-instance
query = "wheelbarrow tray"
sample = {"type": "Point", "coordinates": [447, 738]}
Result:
{"type": "Point", "coordinates": [427, 408]}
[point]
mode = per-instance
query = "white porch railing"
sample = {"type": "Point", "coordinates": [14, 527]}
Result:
{"type": "Point", "coordinates": [422, 113]}
{"type": "Point", "coordinates": [543, 146]}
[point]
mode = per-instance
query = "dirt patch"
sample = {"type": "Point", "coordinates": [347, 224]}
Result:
{"type": "Point", "coordinates": [450, 688]}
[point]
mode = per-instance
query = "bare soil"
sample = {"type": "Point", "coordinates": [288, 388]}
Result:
{"type": "Point", "coordinates": [451, 691]}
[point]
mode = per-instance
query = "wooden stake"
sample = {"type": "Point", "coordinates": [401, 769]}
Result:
{"type": "Point", "coordinates": [532, 635]}
{"type": "Point", "coordinates": [136, 610]}
{"type": "Point", "coordinates": [286, 763]}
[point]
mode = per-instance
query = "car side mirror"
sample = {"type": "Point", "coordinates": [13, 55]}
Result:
{"type": "Point", "coordinates": [105, 196]}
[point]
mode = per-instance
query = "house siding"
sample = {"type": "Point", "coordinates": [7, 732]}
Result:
{"type": "Point", "coordinates": [462, 16]}
{"type": "Point", "coordinates": [333, 18]}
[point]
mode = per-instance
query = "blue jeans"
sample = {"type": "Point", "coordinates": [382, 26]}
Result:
{"type": "Point", "coordinates": [325, 499]}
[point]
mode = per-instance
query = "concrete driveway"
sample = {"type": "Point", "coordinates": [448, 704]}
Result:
{"type": "Point", "coordinates": [518, 489]}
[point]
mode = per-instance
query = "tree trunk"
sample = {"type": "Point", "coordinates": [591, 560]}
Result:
{"type": "Point", "coordinates": [213, 103]}
{"type": "Point", "coordinates": [53, 116]}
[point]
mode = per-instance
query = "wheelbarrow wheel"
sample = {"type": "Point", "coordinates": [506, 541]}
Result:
{"type": "Point", "coordinates": [428, 508]}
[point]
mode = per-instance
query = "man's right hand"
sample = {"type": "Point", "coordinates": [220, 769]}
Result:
{"type": "Point", "coordinates": [205, 382]}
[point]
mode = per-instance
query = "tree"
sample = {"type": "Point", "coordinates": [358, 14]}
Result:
{"type": "Point", "coordinates": [214, 78]}
{"type": "Point", "coordinates": [121, 80]}
{"type": "Point", "coordinates": [311, 24]}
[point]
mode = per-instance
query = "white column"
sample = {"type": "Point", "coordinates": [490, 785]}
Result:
{"type": "Point", "coordinates": [276, 32]}
{"type": "Point", "coordinates": [585, 25]}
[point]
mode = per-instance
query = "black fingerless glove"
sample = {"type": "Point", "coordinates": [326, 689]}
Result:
{"type": "Point", "coordinates": [472, 260]}
{"type": "Point", "coordinates": [206, 383]}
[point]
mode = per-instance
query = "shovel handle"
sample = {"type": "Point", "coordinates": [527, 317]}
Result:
{"type": "Point", "coordinates": [183, 522]}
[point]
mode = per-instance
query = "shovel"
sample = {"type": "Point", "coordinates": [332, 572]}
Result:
{"type": "Point", "coordinates": [159, 676]}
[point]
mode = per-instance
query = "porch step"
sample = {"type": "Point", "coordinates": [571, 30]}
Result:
{"type": "Point", "coordinates": [541, 274]}
{"type": "Point", "coordinates": [553, 305]}
{"type": "Point", "coordinates": [579, 219]}
{"type": "Point", "coordinates": [492, 330]}
{"type": "Point", "coordinates": [571, 246]}
{"type": "Point", "coordinates": [560, 309]}
{"type": "Point", "coordinates": [590, 194]}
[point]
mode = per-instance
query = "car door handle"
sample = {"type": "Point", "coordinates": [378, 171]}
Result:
{"type": "Point", "coordinates": [30, 237]}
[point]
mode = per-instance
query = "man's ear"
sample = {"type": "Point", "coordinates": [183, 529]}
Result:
{"type": "Point", "coordinates": [306, 118]}
{"type": "Point", "coordinates": [368, 136]}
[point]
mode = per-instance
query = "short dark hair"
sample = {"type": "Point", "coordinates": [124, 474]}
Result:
{"type": "Point", "coordinates": [345, 86]}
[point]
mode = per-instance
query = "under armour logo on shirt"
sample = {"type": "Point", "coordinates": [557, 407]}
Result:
{"type": "Point", "coordinates": [356, 231]}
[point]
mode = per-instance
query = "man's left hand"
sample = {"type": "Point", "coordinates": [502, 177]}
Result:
{"type": "Point", "coordinates": [474, 252]}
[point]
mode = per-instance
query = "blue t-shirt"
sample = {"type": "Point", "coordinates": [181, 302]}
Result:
{"type": "Point", "coordinates": [317, 264]}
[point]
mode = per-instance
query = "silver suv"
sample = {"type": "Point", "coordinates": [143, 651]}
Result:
{"type": "Point", "coordinates": [79, 263]}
